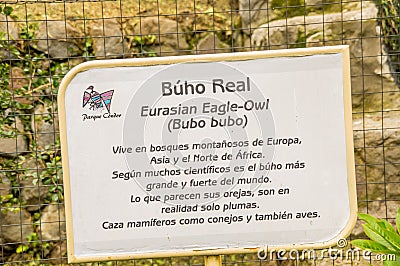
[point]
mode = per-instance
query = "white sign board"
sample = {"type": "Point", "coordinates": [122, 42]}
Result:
{"type": "Point", "coordinates": [210, 154]}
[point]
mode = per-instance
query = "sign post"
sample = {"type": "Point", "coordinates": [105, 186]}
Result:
{"type": "Point", "coordinates": [212, 260]}
{"type": "Point", "coordinates": [207, 155]}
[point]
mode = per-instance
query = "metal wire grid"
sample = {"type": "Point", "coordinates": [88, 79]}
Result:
{"type": "Point", "coordinates": [39, 73]}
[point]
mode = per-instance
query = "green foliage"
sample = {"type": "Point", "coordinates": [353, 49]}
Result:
{"type": "Point", "coordinates": [283, 9]}
{"type": "Point", "coordinates": [88, 51]}
{"type": "Point", "coordinates": [288, 8]}
{"type": "Point", "coordinates": [7, 10]}
{"type": "Point", "coordinates": [6, 102]}
{"type": "Point", "coordinates": [144, 40]}
{"type": "Point", "coordinates": [383, 237]}
{"type": "Point", "coordinates": [9, 203]}
{"type": "Point", "coordinates": [301, 40]}
{"type": "Point", "coordinates": [18, 101]}
{"type": "Point", "coordinates": [144, 45]}
{"type": "Point", "coordinates": [50, 176]}
{"type": "Point", "coordinates": [33, 247]}
{"type": "Point", "coordinates": [28, 33]}
{"type": "Point", "coordinates": [7, 126]}
{"type": "Point", "coordinates": [44, 73]}
{"type": "Point", "coordinates": [37, 82]}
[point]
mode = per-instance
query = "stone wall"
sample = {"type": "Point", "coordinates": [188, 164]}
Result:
{"type": "Point", "coordinates": [374, 92]}
{"type": "Point", "coordinates": [30, 155]}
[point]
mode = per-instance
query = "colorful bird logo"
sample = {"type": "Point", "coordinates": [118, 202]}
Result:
{"type": "Point", "coordinates": [97, 100]}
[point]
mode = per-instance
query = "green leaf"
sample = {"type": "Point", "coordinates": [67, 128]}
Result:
{"type": "Point", "coordinates": [32, 237]}
{"type": "Point", "coordinates": [382, 236]}
{"type": "Point", "coordinates": [22, 248]}
{"type": "Point", "coordinates": [371, 246]}
{"type": "Point", "coordinates": [385, 224]}
{"type": "Point", "coordinates": [398, 220]}
{"type": "Point", "coordinates": [389, 263]}
{"type": "Point", "coordinates": [368, 219]}
{"type": "Point", "coordinates": [54, 197]}
{"type": "Point", "coordinates": [36, 216]}
{"type": "Point", "coordinates": [8, 10]}
{"type": "Point", "coordinates": [392, 262]}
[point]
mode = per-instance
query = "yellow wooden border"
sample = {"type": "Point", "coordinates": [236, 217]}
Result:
{"type": "Point", "coordinates": [340, 49]}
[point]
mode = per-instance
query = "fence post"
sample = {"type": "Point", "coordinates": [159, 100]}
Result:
{"type": "Point", "coordinates": [212, 260]}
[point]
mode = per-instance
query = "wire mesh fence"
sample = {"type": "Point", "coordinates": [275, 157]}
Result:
{"type": "Point", "coordinates": [40, 40]}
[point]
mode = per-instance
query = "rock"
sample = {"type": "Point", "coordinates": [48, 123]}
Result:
{"type": "Point", "coordinates": [314, 2]}
{"type": "Point", "coordinates": [32, 193]}
{"type": "Point", "coordinates": [253, 14]}
{"type": "Point", "coordinates": [44, 124]}
{"type": "Point", "coordinates": [331, 23]}
{"type": "Point", "coordinates": [26, 256]}
{"type": "Point", "coordinates": [108, 40]}
{"type": "Point", "coordinates": [169, 39]}
{"type": "Point", "coordinates": [58, 39]}
{"type": "Point", "coordinates": [16, 226]}
{"type": "Point", "coordinates": [9, 27]}
{"type": "Point", "coordinates": [31, 196]}
{"type": "Point", "coordinates": [277, 34]}
{"type": "Point", "coordinates": [58, 255]}
{"type": "Point", "coordinates": [5, 186]}
{"type": "Point", "coordinates": [16, 144]}
{"type": "Point", "coordinates": [369, 66]}
{"type": "Point", "coordinates": [211, 44]}
{"type": "Point", "coordinates": [19, 80]}
{"type": "Point", "coordinates": [257, 12]}
{"type": "Point", "coordinates": [52, 223]}
{"type": "Point", "coordinates": [8, 34]}
{"type": "Point", "coordinates": [376, 142]}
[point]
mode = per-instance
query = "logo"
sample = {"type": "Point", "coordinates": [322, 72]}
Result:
{"type": "Point", "coordinates": [97, 101]}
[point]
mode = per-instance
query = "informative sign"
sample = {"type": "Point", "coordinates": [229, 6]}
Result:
{"type": "Point", "coordinates": [210, 154]}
